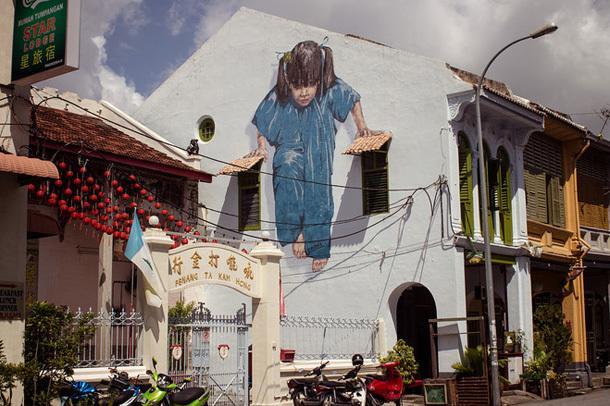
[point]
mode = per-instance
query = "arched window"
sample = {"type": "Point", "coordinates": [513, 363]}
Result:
{"type": "Point", "coordinates": [491, 167]}
{"type": "Point", "coordinates": [465, 166]}
{"type": "Point", "coordinates": [504, 197]}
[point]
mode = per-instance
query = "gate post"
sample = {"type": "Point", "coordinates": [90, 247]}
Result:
{"type": "Point", "coordinates": [153, 340]}
{"type": "Point", "coordinates": [266, 328]}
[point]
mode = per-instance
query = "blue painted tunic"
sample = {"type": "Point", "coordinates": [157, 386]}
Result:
{"type": "Point", "coordinates": [304, 141]}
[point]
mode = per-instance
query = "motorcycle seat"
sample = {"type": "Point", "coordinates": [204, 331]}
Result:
{"type": "Point", "coordinates": [303, 381]}
{"type": "Point", "coordinates": [186, 396]}
{"type": "Point", "coordinates": [333, 384]}
{"type": "Point", "coordinates": [378, 377]}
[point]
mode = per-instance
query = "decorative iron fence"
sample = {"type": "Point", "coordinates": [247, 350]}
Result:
{"type": "Point", "coordinates": [212, 350]}
{"type": "Point", "coordinates": [315, 338]}
{"type": "Point", "coordinates": [115, 341]}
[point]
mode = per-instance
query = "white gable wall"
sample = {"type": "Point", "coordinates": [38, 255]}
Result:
{"type": "Point", "coordinates": [403, 93]}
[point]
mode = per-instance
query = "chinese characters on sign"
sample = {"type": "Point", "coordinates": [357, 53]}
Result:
{"type": "Point", "coordinates": [11, 300]}
{"type": "Point", "coordinates": [211, 263]}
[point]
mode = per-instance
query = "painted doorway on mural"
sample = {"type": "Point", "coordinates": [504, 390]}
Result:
{"type": "Point", "coordinates": [415, 307]}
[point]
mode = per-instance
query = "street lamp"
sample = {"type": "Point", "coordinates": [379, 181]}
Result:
{"type": "Point", "coordinates": [491, 312]}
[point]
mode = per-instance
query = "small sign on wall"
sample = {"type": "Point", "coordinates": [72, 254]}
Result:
{"type": "Point", "coordinates": [11, 300]}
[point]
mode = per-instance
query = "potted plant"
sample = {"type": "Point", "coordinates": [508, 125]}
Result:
{"type": "Point", "coordinates": [404, 355]}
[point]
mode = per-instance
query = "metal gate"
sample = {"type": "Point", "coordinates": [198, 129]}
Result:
{"type": "Point", "coordinates": [213, 351]}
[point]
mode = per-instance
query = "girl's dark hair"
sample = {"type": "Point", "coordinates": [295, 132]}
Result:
{"type": "Point", "coordinates": [307, 64]}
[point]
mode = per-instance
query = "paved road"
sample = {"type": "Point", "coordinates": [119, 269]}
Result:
{"type": "Point", "coordinates": [596, 398]}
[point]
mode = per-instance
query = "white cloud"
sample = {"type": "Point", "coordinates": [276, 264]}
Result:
{"type": "Point", "coordinates": [95, 79]}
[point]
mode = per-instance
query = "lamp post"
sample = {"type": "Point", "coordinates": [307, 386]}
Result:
{"type": "Point", "coordinates": [491, 312]}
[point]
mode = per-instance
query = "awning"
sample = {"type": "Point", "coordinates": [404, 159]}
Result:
{"type": "Point", "coordinates": [23, 165]}
{"type": "Point", "coordinates": [368, 143]}
{"type": "Point", "coordinates": [241, 165]}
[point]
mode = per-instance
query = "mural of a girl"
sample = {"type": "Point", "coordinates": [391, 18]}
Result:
{"type": "Point", "coordinates": [297, 118]}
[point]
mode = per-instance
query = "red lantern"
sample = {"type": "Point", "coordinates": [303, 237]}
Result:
{"type": "Point", "coordinates": [95, 212]}
{"type": "Point", "coordinates": [175, 245]}
{"type": "Point", "coordinates": [175, 237]}
{"type": "Point", "coordinates": [137, 186]}
{"type": "Point", "coordinates": [187, 229]}
{"type": "Point", "coordinates": [150, 198]}
{"type": "Point", "coordinates": [215, 241]}
{"type": "Point", "coordinates": [104, 217]}
{"type": "Point", "coordinates": [76, 198]}
{"type": "Point", "coordinates": [97, 187]}
{"type": "Point", "coordinates": [62, 165]}
{"type": "Point", "coordinates": [171, 217]}
{"type": "Point", "coordinates": [133, 205]}
{"type": "Point", "coordinates": [75, 215]}
{"type": "Point", "coordinates": [52, 201]}
{"type": "Point", "coordinates": [58, 182]}
{"type": "Point", "coordinates": [157, 205]}
{"type": "Point", "coordinates": [53, 196]}
{"type": "Point", "coordinates": [77, 181]}
{"type": "Point", "coordinates": [114, 183]}
{"type": "Point", "coordinates": [140, 211]}
{"type": "Point", "coordinates": [85, 188]}
{"type": "Point", "coordinates": [71, 209]}
{"type": "Point", "coordinates": [63, 202]}
{"type": "Point", "coordinates": [107, 174]}
{"type": "Point", "coordinates": [68, 192]}
{"type": "Point", "coordinates": [31, 187]}
{"type": "Point", "coordinates": [63, 207]}
{"type": "Point", "coordinates": [128, 229]}
{"type": "Point", "coordinates": [87, 220]}
{"type": "Point", "coordinates": [125, 196]}
{"type": "Point", "coordinates": [197, 232]}
{"type": "Point", "coordinates": [70, 174]}
{"type": "Point", "coordinates": [124, 235]}
{"type": "Point", "coordinates": [109, 230]}
{"type": "Point", "coordinates": [179, 223]}
{"type": "Point", "coordinates": [116, 208]}
{"type": "Point", "coordinates": [86, 205]}
{"type": "Point", "coordinates": [101, 205]}
{"type": "Point", "coordinates": [107, 200]}
{"type": "Point", "coordinates": [40, 193]}
{"type": "Point", "coordinates": [245, 251]}
{"type": "Point", "coordinates": [132, 177]}
{"type": "Point", "coordinates": [185, 241]}
{"type": "Point", "coordinates": [117, 234]}
{"type": "Point", "coordinates": [93, 198]}
{"type": "Point", "coordinates": [164, 212]}
{"type": "Point", "coordinates": [120, 189]}
{"type": "Point", "coordinates": [82, 169]}
{"type": "Point", "coordinates": [143, 192]}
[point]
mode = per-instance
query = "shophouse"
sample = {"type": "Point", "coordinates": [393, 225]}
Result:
{"type": "Point", "coordinates": [302, 170]}
{"type": "Point", "coordinates": [593, 192]}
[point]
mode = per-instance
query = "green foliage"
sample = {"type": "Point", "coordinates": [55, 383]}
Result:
{"type": "Point", "coordinates": [537, 367]}
{"type": "Point", "coordinates": [8, 375]}
{"type": "Point", "coordinates": [51, 342]}
{"type": "Point", "coordinates": [181, 310]}
{"type": "Point", "coordinates": [553, 336]}
{"type": "Point", "coordinates": [403, 353]}
{"type": "Point", "coordinates": [471, 364]}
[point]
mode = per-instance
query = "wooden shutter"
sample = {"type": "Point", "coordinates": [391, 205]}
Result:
{"type": "Point", "coordinates": [505, 198]}
{"type": "Point", "coordinates": [535, 193]}
{"type": "Point", "coordinates": [491, 169]}
{"type": "Point", "coordinates": [555, 200]}
{"type": "Point", "coordinates": [249, 199]}
{"type": "Point", "coordinates": [466, 206]}
{"type": "Point", "coordinates": [593, 201]}
{"type": "Point", "coordinates": [375, 194]}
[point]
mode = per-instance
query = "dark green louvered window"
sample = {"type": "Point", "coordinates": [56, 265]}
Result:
{"type": "Point", "coordinates": [504, 197]}
{"type": "Point", "coordinates": [250, 198]}
{"type": "Point", "coordinates": [375, 196]}
{"type": "Point", "coordinates": [465, 163]}
{"type": "Point", "coordinates": [543, 162]}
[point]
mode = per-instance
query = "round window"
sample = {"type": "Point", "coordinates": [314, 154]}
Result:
{"type": "Point", "coordinates": [206, 129]}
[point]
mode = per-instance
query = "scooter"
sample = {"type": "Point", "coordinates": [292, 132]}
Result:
{"type": "Point", "coordinates": [166, 392]}
{"type": "Point", "coordinates": [303, 391]}
{"type": "Point", "coordinates": [386, 387]}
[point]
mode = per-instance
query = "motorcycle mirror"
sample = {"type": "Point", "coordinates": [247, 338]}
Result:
{"type": "Point", "coordinates": [149, 372]}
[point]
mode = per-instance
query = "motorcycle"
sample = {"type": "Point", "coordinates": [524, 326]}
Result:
{"type": "Point", "coordinates": [303, 391]}
{"type": "Point", "coordinates": [165, 392]}
{"type": "Point", "coordinates": [119, 391]}
{"type": "Point", "coordinates": [347, 390]}
{"type": "Point", "coordinates": [386, 387]}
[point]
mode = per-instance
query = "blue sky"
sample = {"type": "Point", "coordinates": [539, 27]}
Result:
{"type": "Point", "coordinates": [128, 47]}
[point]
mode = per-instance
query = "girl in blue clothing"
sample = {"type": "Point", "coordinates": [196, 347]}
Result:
{"type": "Point", "coordinates": [297, 119]}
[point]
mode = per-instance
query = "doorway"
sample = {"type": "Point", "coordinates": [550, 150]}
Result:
{"type": "Point", "coordinates": [415, 307]}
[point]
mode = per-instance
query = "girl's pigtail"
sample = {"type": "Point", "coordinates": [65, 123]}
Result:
{"type": "Point", "coordinates": [281, 88]}
{"type": "Point", "coordinates": [328, 70]}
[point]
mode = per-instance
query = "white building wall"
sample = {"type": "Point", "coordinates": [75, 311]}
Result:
{"type": "Point", "coordinates": [403, 93]}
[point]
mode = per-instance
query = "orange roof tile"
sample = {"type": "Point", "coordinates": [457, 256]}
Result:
{"type": "Point", "coordinates": [241, 165]}
{"type": "Point", "coordinates": [368, 143]}
{"type": "Point", "coordinates": [23, 165]}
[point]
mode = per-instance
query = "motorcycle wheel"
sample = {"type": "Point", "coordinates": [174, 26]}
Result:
{"type": "Point", "coordinates": [298, 399]}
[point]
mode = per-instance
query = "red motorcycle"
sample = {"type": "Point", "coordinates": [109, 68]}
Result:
{"type": "Point", "coordinates": [385, 387]}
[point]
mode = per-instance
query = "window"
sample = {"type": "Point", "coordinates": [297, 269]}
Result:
{"type": "Point", "coordinates": [543, 162]}
{"type": "Point", "coordinates": [593, 175]}
{"type": "Point", "coordinates": [375, 194]}
{"type": "Point", "coordinates": [249, 198]}
{"type": "Point", "coordinates": [465, 163]}
{"type": "Point", "coordinates": [503, 197]}
{"type": "Point", "coordinates": [207, 127]}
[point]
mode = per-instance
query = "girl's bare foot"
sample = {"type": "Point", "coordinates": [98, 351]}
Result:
{"type": "Point", "coordinates": [318, 264]}
{"type": "Point", "coordinates": [298, 247]}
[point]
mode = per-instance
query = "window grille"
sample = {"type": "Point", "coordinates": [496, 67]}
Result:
{"type": "Point", "coordinates": [249, 198]}
{"type": "Point", "coordinates": [466, 204]}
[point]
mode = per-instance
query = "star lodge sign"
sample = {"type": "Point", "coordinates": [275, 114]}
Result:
{"type": "Point", "coordinates": [202, 263]}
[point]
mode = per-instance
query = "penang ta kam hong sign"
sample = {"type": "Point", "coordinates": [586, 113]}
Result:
{"type": "Point", "coordinates": [206, 263]}
{"type": "Point", "coordinates": [45, 39]}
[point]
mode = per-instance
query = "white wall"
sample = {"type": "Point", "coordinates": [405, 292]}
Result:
{"type": "Point", "coordinates": [401, 92]}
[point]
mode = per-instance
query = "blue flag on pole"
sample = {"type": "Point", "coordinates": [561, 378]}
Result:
{"type": "Point", "coordinates": [138, 252]}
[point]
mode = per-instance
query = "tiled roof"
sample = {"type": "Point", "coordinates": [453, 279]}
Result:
{"type": "Point", "coordinates": [23, 165]}
{"type": "Point", "coordinates": [94, 134]}
{"type": "Point", "coordinates": [368, 143]}
{"type": "Point", "coordinates": [240, 165]}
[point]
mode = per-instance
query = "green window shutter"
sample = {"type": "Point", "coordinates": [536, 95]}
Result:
{"type": "Point", "coordinates": [535, 192]}
{"type": "Point", "coordinates": [504, 199]}
{"type": "Point", "coordinates": [556, 206]}
{"type": "Point", "coordinates": [466, 206]}
{"type": "Point", "coordinates": [375, 183]}
{"type": "Point", "coordinates": [249, 199]}
{"type": "Point", "coordinates": [491, 169]}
